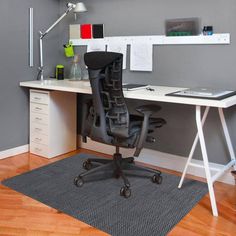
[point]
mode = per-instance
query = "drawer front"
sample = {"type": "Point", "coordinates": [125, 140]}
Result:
{"type": "Point", "coordinates": [38, 128]}
{"type": "Point", "coordinates": [39, 149]}
{"type": "Point", "coordinates": [39, 97]}
{"type": "Point", "coordinates": [39, 118]}
{"type": "Point", "coordinates": [39, 108]}
{"type": "Point", "coordinates": [39, 138]}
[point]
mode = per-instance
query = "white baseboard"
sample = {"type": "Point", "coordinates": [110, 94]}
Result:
{"type": "Point", "coordinates": [14, 151]}
{"type": "Point", "coordinates": [164, 160]}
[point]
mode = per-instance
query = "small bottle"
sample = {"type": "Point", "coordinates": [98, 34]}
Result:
{"type": "Point", "coordinates": [75, 71]}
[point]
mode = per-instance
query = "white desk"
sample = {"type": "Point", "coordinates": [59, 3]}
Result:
{"type": "Point", "coordinates": [159, 96]}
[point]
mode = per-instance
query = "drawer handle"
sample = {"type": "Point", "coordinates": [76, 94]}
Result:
{"type": "Point", "coordinates": [37, 98]}
{"type": "Point", "coordinates": [38, 108]}
{"type": "Point", "coordinates": [37, 118]}
{"type": "Point", "coordinates": [38, 149]}
{"type": "Point", "coordinates": [38, 129]}
{"type": "Point", "coordinates": [38, 139]}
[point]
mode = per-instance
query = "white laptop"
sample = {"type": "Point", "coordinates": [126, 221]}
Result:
{"type": "Point", "coordinates": [204, 92]}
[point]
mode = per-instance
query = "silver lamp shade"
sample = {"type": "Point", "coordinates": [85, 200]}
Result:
{"type": "Point", "coordinates": [80, 7]}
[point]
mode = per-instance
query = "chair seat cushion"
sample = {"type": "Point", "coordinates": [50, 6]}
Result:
{"type": "Point", "coordinates": [136, 123]}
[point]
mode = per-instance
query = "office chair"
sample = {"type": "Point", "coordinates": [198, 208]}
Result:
{"type": "Point", "coordinates": [106, 119]}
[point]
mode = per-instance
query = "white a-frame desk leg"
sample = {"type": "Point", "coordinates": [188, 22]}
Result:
{"type": "Point", "coordinates": [193, 148]}
{"type": "Point", "coordinates": [200, 136]}
{"type": "Point", "coordinates": [227, 137]}
{"type": "Point", "coordinates": [205, 161]}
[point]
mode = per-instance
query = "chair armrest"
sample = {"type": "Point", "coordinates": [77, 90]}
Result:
{"type": "Point", "coordinates": [143, 135]}
{"type": "Point", "coordinates": [148, 109]}
{"type": "Point", "coordinates": [85, 125]}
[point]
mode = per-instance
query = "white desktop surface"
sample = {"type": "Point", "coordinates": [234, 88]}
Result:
{"type": "Point", "coordinates": [157, 95]}
{"type": "Point", "coordinates": [59, 85]}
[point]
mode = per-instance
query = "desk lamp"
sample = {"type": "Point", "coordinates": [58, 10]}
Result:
{"type": "Point", "coordinates": [78, 7]}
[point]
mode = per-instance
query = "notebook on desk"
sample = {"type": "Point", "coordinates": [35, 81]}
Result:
{"type": "Point", "coordinates": [207, 93]}
{"type": "Point", "coordinates": [131, 87]}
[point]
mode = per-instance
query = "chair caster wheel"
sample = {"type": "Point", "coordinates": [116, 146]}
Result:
{"type": "Point", "coordinates": [78, 181]}
{"type": "Point", "coordinates": [157, 178]}
{"type": "Point", "coordinates": [125, 192]}
{"type": "Point", "coordinates": [87, 165]}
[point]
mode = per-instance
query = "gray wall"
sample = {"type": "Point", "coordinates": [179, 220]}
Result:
{"type": "Point", "coordinates": [182, 65]}
{"type": "Point", "coordinates": [14, 67]}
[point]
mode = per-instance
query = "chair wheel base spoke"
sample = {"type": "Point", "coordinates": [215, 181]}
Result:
{"type": "Point", "coordinates": [157, 178]}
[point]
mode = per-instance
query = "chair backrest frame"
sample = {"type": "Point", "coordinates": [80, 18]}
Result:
{"type": "Point", "coordinates": [109, 114]}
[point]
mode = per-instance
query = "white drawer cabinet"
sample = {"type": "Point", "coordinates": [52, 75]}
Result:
{"type": "Point", "coordinates": [52, 122]}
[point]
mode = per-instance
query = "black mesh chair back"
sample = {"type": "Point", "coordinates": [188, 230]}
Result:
{"type": "Point", "coordinates": [109, 113]}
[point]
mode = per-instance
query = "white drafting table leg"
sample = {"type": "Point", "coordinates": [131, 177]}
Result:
{"type": "Point", "coordinates": [227, 137]}
{"type": "Point", "coordinates": [200, 136]}
{"type": "Point", "coordinates": [193, 148]}
{"type": "Point", "coordinates": [205, 161]}
{"type": "Point", "coordinates": [226, 133]}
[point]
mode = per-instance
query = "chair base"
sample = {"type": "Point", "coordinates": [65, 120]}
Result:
{"type": "Point", "coordinates": [117, 166]}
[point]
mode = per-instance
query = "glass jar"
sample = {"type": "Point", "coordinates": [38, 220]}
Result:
{"type": "Point", "coordinates": [75, 70]}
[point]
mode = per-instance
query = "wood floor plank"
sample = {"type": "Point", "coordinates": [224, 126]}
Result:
{"type": "Point", "coordinates": [23, 216]}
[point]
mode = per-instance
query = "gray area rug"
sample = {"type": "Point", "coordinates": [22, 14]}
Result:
{"type": "Point", "coordinates": [151, 210]}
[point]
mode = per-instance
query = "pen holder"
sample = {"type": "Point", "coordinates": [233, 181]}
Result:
{"type": "Point", "coordinates": [69, 50]}
{"type": "Point", "coordinates": [59, 72]}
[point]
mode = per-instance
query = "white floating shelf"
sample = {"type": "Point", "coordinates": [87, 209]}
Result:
{"type": "Point", "coordinates": [159, 39]}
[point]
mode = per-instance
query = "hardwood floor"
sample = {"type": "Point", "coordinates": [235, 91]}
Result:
{"type": "Point", "coordinates": [21, 215]}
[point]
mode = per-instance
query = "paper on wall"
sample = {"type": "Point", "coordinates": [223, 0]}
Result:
{"type": "Point", "coordinates": [141, 56]}
{"type": "Point", "coordinates": [96, 46]}
{"type": "Point", "coordinates": [120, 48]}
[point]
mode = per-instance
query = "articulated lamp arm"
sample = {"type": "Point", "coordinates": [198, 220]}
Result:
{"type": "Point", "coordinates": [70, 6]}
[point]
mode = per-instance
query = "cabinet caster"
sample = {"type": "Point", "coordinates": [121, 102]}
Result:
{"type": "Point", "coordinates": [78, 181]}
{"type": "Point", "coordinates": [125, 191]}
{"type": "Point", "coordinates": [87, 165]}
{"type": "Point", "coordinates": [157, 178]}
